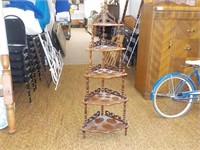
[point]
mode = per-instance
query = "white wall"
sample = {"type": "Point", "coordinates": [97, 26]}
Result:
{"type": "Point", "coordinates": [133, 6]}
{"type": "Point", "coordinates": [92, 5]}
{"type": "Point", "coordinates": [132, 9]}
{"type": "Point", "coordinates": [79, 14]}
{"type": "Point", "coordinates": [122, 6]}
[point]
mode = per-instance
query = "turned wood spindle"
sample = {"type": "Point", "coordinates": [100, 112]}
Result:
{"type": "Point", "coordinates": [103, 36]}
{"type": "Point", "coordinates": [124, 112]}
{"type": "Point", "coordinates": [126, 131]}
{"type": "Point", "coordinates": [103, 60]}
{"type": "Point", "coordinates": [118, 36]}
{"type": "Point", "coordinates": [102, 83]}
{"type": "Point", "coordinates": [84, 134]}
{"type": "Point", "coordinates": [102, 110]}
{"type": "Point", "coordinates": [85, 113]}
{"type": "Point", "coordinates": [120, 60]}
{"type": "Point", "coordinates": [123, 86]}
{"type": "Point", "coordinates": [87, 85]}
{"type": "Point", "coordinates": [90, 61]}
{"type": "Point", "coordinates": [91, 46]}
{"type": "Point", "coordinates": [8, 93]}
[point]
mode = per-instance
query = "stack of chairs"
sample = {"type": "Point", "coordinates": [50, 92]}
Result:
{"type": "Point", "coordinates": [34, 59]}
{"type": "Point", "coordinates": [23, 64]}
{"type": "Point", "coordinates": [41, 56]}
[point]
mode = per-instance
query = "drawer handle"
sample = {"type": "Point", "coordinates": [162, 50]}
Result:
{"type": "Point", "coordinates": [190, 30]}
{"type": "Point", "coordinates": [170, 44]}
{"type": "Point", "coordinates": [188, 47]}
{"type": "Point", "coordinates": [185, 66]}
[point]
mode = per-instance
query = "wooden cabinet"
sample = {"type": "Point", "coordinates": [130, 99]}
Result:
{"type": "Point", "coordinates": [169, 34]}
{"type": "Point", "coordinates": [189, 2]}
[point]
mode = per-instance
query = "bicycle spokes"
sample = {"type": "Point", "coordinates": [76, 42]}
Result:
{"type": "Point", "coordinates": [168, 100]}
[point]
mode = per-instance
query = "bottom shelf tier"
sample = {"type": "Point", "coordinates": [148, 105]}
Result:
{"type": "Point", "coordinates": [104, 123]}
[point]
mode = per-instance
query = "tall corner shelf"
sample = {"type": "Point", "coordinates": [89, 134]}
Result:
{"type": "Point", "coordinates": [104, 121]}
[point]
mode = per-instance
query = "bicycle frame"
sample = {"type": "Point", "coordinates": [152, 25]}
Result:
{"type": "Point", "coordinates": [192, 94]}
{"type": "Point", "coordinates": [181, 95]}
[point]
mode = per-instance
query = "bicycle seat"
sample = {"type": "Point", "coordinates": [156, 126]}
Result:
{"type": "Point", "coordinates": [193, 62]}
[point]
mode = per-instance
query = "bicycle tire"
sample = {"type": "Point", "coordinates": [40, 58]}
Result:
{"type": "Point", "coordinates": [164, 101]}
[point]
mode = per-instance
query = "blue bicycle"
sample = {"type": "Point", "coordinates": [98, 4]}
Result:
{"type": "Point", "coordinates": [174, 93]}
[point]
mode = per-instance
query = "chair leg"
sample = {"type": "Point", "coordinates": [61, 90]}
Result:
{"type": "Point", "coordinates": [33, 82]}
{"type": "Point", "coordinates": [38, 70]}
{"type": "Point", "coordinates": [28, 91]}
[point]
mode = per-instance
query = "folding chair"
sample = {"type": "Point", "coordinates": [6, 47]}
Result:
{"type": "Point", "coordinates": [18, 52]}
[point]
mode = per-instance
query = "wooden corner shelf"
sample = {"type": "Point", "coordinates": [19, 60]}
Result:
{"type": "Point", "coordinates": [104, 121]}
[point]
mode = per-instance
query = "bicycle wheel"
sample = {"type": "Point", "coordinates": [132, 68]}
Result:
{"type": "Point", "coordinates": [164, 101]}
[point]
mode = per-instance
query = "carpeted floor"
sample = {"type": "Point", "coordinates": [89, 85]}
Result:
{"type": "Point", "coordinates": [54, 118]}
{"type": "Point", "coordinates": [76, 48]}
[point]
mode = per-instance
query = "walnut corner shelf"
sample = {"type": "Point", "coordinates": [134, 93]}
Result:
{"type": "Point", "coordinates": [104, 121]}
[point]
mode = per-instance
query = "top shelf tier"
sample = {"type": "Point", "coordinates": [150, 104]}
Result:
{"type": "Point", "coordinates": [105, 45]}
{"type": "Point", "coordinates": [102, 48]}
{"type": "Point", "coordinates": [107, 24]}
{"type": "Point", "coordinates": [105, 18]}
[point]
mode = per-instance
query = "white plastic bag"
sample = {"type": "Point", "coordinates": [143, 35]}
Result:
{"type": "Point", "coordinates": [3, 118]}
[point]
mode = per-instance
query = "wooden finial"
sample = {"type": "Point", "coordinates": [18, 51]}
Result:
{"type": "Point", "coordinates": [5, 61]}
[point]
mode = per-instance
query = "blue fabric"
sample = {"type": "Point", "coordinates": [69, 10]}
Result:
{"type": "Point", "coordinates": [40, 9]}
{"type": "Point", "coordinates": [62, 5]}
{"type": "Point", "coordinates": [26, 5]}
{"type": "Point", "coordinates": [42, 5]}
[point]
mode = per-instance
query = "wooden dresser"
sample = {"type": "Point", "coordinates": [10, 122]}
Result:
{"type": "Point", "coordinates": [169, 34]}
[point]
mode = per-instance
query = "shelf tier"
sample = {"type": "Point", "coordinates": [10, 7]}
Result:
{"type": "Point", "coordinates": [104, 48]}
{"type": "Point", "coordinates": [105, 45]}
{"type": "Point", "coordinates": [107, 72]}
{"type": "Point", "coordinates": [104, 97]}
{"type": "Point", "coordinates": [104, 123]}
{"type": "Point", "coordinates": [107, 24]}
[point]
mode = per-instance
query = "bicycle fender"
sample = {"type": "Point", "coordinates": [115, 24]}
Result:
{"type": "Point", "coordinates": [167, 76]}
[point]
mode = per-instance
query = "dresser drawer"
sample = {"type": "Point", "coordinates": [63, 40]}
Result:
{"type": "Point", "coordinates": [186, 46]}
{"type": "Point", "coordinates": [187, 29]}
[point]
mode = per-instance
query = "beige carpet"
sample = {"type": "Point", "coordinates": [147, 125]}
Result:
{"type": "Point", "coordinates": [54, 119]}
{"type": "Point", "coordinates": [76, 48]}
